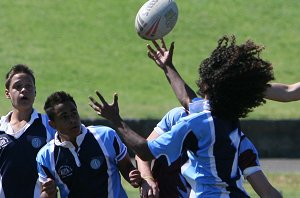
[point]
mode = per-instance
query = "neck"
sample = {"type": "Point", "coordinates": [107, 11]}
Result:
{"type": "Point", "coordinates": [18, 116]}
{"type": "Point", "coordinates": [68, 138]}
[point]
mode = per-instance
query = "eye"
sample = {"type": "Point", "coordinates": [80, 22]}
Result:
{"type": "Point", "coordinates": [29, 87]}
{"type": "Point", "coordinates": [17, 87]}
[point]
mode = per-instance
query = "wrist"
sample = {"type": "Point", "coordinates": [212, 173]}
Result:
{"type": "Point", "coordinates": [148, 177]}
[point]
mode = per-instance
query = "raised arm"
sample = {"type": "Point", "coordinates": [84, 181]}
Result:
{"type": "Point", "coordinates": [164, 59]}
{"type": "Point", "coordinates": [110, 112]}
{"type": "Point", "coordinates": [283, 92]}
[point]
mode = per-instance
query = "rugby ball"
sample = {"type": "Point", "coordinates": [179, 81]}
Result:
{"type": "Point", "coordinates": [156, 18]}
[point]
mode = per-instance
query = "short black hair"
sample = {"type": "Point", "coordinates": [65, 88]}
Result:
{"type": "Point", "coordinates": [16, 69]}
{"type": "Point", "coordinates": [55, 99]}
{"type": "Point", "coordinates": [234, 78]}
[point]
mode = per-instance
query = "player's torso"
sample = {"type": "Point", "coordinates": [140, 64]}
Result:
{"type": "Point", "coordinates": [86, 171]}
{"type": "Point", "coordinates": [17, 160]}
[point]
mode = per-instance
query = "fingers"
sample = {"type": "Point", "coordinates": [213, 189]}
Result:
{"type": "Point", "coordinates": [116, 97]}
{"type": "Point", "coordinates": [163, 44]}
{"type": "Point", "coordinates": [171, 48]}
{"type": "Point", "coordinates": [151, 52]}
{"type": "Point", "coordinates": [159, 49]}
{"type": "Point", "coordinates": [101, 98]}
{"type": "Point", "coordinates": [95, 105]}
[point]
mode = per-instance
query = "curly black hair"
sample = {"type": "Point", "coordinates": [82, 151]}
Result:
{"type": "Point", "coordinates": [55, 99]}
{"type": "Point", "coordinates": [234, 78]}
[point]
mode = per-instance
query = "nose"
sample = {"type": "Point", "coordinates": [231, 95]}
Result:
{"type": "Point", "coordinates": [73, 119]}
{"type": "Point", "coordinates": [24, 90]}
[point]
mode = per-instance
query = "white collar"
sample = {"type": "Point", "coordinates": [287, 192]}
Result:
{"type": "Point", "coordinates": [5, 126]}
{"type": "Point", "coordinates": [68, 144]}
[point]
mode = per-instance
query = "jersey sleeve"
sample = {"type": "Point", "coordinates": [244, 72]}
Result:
{"type": "Point", "coordinates": [248, 157]}
{"type": "Point", "coordinates": [110, 142]}
{"type": "Point", "coordinates": [43, 160]}
{"type": "Point", "coordinates": [170, 144]}
{"type": "Point", "coordinates": [170, 119]}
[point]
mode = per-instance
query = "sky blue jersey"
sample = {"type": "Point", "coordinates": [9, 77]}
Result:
{"type": "Point", "coordinates": [215, 154]}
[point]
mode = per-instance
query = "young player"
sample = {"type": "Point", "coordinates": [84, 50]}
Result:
{"type": "Point", "coordinates": [82, 161]}
{"type": "Point", "coordinates": [212, 137]}
{"type": "Point", "coordinates": [23, 131]}
{"type": "Point", "coordinates": [248, 157]}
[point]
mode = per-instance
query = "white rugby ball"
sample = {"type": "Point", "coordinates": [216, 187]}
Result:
{"type": "Point", "coordinates": [156, 18]}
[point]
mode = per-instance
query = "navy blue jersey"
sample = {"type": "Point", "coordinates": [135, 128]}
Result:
{"type": "Point", "coordinates": [88, 171]}
{"type": "Point", "coordinates": [17, 156]}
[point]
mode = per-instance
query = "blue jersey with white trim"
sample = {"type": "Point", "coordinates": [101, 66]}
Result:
{"type": "Point", "coordinates": [88, 171]}
{"type": "Point", "coordinates": [213, 150]}
{"type": "Point", "coordinates": [17, 156]}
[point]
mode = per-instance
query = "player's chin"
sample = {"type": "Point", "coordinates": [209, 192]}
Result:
{"type": "Point", "coordinates": [76, 130]}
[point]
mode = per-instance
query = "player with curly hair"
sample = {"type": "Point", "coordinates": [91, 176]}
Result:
{"type": "Point", "coordinates": [233, 80]}
{"type": "Point", "coordinates": [165, 180]}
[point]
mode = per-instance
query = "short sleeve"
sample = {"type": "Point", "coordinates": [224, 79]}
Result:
{"type": "Point", "coordinates": [248, 157]}
{"type": "Point", "coordinates": [170, 143]}
{"type": "Point", "coordinates": [170, 119]}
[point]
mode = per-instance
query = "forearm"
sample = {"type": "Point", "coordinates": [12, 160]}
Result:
{"type": "Point", "coordinates": [283, 92]}
{"type": "Point", "coordinates": [183, 92]}
{"type": "Point", "coordinates": [144, 167]}
{"type": "Point", "coordinates": [133, 140]}
{"type": "Point", "coordinates": [262, 187]}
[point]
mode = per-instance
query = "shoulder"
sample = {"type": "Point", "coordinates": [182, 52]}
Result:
{"type": "Point", "coordinates": [102, 132]}
{"type": "Point", "coordinates": [177, 110]}
{"type": "Point", "coordinates": [175, 114]}
{"type": "Point", "coordinates": [46, 150]}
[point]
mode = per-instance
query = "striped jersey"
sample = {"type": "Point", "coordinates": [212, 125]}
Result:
{"type": "Point", "coordinates": [218, 153]}
{"type": "Point", "coordinates": [18, 172]}
{"type": "Point", "coordinates": [90, 170]}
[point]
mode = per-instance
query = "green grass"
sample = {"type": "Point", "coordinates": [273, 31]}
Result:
{"type": "Point", "coordinates": [80, 46]}
{"type": "Point", "coordinates": [287, 183]}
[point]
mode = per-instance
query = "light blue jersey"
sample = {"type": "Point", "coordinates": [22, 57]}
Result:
{"type": "Point", "coordinates": [216, 151]}
{"type": "Point", "coordinates": [89, 171]}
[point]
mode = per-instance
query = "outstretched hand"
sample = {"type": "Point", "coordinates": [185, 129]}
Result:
{"type": "Point", "coordinates": [161, 56]}
{"type": "Point", "coordinates": [107, 111]}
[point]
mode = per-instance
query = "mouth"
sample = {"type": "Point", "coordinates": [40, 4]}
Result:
{"type": "Point", "coordinates": [24, 98]}
{"type": "Point", "coordinates": [75, 128]}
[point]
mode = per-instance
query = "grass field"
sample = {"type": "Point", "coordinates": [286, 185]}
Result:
{"type": "Point", "coordinates": [287, 183]}
{"type": "Point", "coordinates": [80, 46]}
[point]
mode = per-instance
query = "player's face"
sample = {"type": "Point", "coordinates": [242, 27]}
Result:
{"type": "Point", "coordinates": [66, 120]}
{"type": "Point", "coordinates": [21, 91]}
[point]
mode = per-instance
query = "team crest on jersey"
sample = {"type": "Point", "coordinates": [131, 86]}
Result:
{"type": "Point", "coordinates": [96, 162]}
{"type": "Point", "coordinates": [4, 141]}
{"type": "Point", "coordinates": [36, 142]}
{"type": "Point", "coordinates": [65, 171]}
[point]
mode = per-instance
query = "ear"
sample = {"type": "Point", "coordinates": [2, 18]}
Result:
{"type": "Point", "coordinates": [7, 95]}
{"type": "Point", "coordinates": [52, 124]}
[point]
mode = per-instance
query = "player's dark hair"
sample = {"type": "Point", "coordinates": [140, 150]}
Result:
{"type": "Point", "coordinates": [17, 69]}
{"type": "Point", "coordinates": [234, 78]}
{"type": "Point", "coordinates": [56, 98]}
